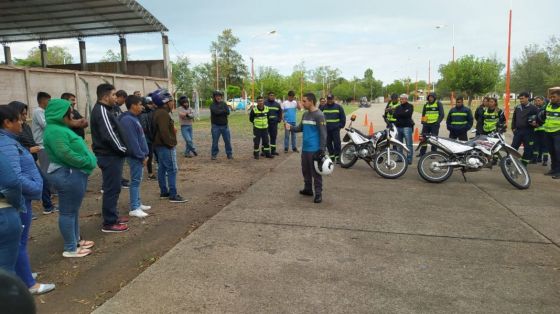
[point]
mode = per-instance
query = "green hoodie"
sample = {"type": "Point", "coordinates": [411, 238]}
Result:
{"type": "Point", "coordinates": [63, 146]}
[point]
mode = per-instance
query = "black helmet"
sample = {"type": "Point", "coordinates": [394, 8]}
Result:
{"type": "Point", "coordinates": [217, 93]}
{"type": "Point", "coordinates": [394, 96]}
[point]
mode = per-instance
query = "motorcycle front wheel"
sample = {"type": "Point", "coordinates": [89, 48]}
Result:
{"type": "Point", "coordinates": [348, 155]}
{"type": "Point", "coordinates": [429, 169]}
{"type": "Point", "coordinates": [390, 164]}
{"type": "Point", "coordinates": [515, 172]}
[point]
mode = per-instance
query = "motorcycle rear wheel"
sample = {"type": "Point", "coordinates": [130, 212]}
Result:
{"type": "Point", "coordinates": [431, 173]}
{"type": "Point", "coordinates": [521, 180]}
{"type": "Point", "coordinates": [390, 166]}
{"type": "Point", "coordinates": [348, 155]}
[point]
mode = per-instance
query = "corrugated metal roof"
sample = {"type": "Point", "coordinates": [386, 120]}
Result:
{"type": "Point", "coordinates": [34, 20]}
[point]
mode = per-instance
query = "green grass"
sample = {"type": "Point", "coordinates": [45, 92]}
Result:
{"type": "Point", "coordinates": [239, 121]}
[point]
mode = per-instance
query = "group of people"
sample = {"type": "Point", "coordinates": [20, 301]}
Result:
{"type": "Point", "coordinates": [51, 156]}
{"type": "Point", "coordinates": [535, 124]}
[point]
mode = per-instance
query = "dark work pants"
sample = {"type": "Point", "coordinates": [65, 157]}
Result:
{"type": "Point", "coordinates": [432, 129]}
{"type": "Point", "coordinates": [553, 144]}
{"type": "Point", "coordinates": [273, 134]}
{"type": "Point", "coordinates": [111, 171]}
{"type": "Point", "coordinates": [260, 136]}
{"type": "Point", "coordinates": [333, 142]}
{"type": "Point", "coordinates": [458, 135]}
{"type": "Point", "coordinates": [525, 136]}
{"type": "Point", "coordinates": [149, 164]}
{"type": "Point", "coordinates": [540, 150]}
{"type": "Point", "coordinates": [310, 176]}
{"type": "Point", "coordinates": [46, 194]}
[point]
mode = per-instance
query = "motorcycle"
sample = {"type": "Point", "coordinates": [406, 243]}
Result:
{"type": "Point", "coordinates": [480, 152]}
{"type": "Point", "coordinates": [375, 150]}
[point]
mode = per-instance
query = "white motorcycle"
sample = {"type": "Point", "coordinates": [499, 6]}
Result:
{"type": "Point", "coordinates": [481, 152]}
{"type": "Point", "coordinates": [375, 150]}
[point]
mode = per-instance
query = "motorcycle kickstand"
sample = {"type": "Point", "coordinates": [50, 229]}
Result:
{"type": "Point", "coordinates": [463, 173]}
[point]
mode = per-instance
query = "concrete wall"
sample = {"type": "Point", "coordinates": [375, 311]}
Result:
{"type": "Point", "coordinates": [23, 84]}
{"type": "Point", "coordinates": [152, 68]}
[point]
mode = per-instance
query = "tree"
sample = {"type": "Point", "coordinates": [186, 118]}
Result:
{"type": "Point", "coordinates": [231, 65]}
{"type": "Point", "coordinates": [553, 49]}
{"type": "Point", "coordinates": [531, 70]}
{"type": "Point", "coordinates": [374, 86]}
{"type": "Point", "coordinates": [471, 75]}
{"type": "Point", "coordinates": [203, 80]}
{"type": "Point", "coordinates": [183, 77]}
{"type": "Point", "coordinates": [397, 87]}
{"type": "Point", "coordinates": [55, 55]}
{"type": "Point", "coordinates": [270, 80]}
{"type": "Point", "coordinates": [233, 91]}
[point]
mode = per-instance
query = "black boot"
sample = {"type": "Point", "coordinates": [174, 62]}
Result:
{"type": "Point", "coordinates": [273, 152]}
{"type": "Point", "coordinates": [306, 192]}
{"type": "Point", "coordinates": [268, 155]}
{"type": "Point", "coordinates": [256, 155]}
{"type": "Point", "coordinates": [318, 199]}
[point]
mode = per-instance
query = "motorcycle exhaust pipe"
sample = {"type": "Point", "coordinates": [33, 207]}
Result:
{"type": "Point", "coordinates": [447, 164]}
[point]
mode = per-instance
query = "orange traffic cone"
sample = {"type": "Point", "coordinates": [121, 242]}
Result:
{"type": "Point", "coordinates": [366, 123]}
{"type": "Point", "coordinates": [371, 129]}
{"type": "Point", "coordinates": [416, 137]}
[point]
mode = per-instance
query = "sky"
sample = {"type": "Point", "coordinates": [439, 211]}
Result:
{"type": "Point", "coordinates": [397, 39]}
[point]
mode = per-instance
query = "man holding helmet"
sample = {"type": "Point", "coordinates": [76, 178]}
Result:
{"type": "Point", "coordinates": [314, 163]}
{"type": "Point", "coordinates": [523, 132]}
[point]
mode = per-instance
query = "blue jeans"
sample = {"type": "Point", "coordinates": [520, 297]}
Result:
{"type": "Point", "coordinates": [136, 171]}
{"type": "Point", "coordinates": [23, 266]}
{"type": "Point", "coordinates": [222, 130]}
{"type": "Point", "coordinates": [71, 185]}
{"type": "Point", "coordinates": [167, 170]}
{"type": "Point", "coordinates": [186, 131]}
{"type": "Point", "coordinates": [10, 234]}
{"type": "Point", "coordinates": [46, 194]}
{"type": "Point", "coordinates": [287, 135]}
{"type": "Point", "coordinates": [406, 134]}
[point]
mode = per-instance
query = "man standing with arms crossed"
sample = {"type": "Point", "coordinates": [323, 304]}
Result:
{"type": "Point", "coordinates": [274, 117]}
{"type": "Point", "coordinates": [110, 150]}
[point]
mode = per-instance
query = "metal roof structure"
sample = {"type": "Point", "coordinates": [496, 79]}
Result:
{"type": "Point", "coordinates": [39, 20]}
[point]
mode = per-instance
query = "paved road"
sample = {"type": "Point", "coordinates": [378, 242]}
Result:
{"type": "Point", "coordinates": [373, 246]}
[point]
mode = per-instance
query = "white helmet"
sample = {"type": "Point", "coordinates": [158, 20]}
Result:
{"type": "Point", "coordinates": [324, 166]}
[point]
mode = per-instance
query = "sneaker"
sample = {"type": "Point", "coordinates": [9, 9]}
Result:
{"type": "Point", "coordinates": [33, 217]}
{"type": "Point", "coordinates": [34, 276]}
{"type": "Point", "coordinates": [116, 228]}
{"type": "Point", "coordinates": [152, 177]}
{"type": "Point", "coordinates": [48, 211]}
{"type": "Point", "coordinates": [285, 151]}
{"type": "Point", "coordinates": [213, 158]}
{"type": "Point", "coordinates": [177, 199]}
{"type": "Point", "coordinates": [550, 173]}
{"type": "Point", "coordinates": [188, 156]}
{"type": "Point", "coordinates": [77, 253]}
{"type": "Point", "coordinates": [42, 288]}
{"type": "Point", "coordinates": [230, 157]}
{"type": "Point", "coordinates": [125, 186]}
{"type": "Point", "coordinates": [145, 207]}
{"type": "Point", "coordinates": [306, 192]}
{"type": "Point", "coordinates": [163, 195]}
{"type": "Point", "coordinates": [194, 153]}
{"type": "Point", "coordinates": [123, 220]}
{"type": "Point", "coordinates": [556, 176]}
{"type": "Point", "coordinates": [137, 213]}
{"type": "Point", "coordinates": [295, 150]}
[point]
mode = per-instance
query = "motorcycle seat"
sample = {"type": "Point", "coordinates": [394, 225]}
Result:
{"type": "Point", "coordinates": [362, 134]}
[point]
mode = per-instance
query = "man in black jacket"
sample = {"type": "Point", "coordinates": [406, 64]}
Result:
{"type": "Point", "coordinates": [479, 115]}
{"type": "Point", "coordinates": [404, 124]}
{"type": "Point", "coordinates": [522, 131]}
{"type": "Point", "coordinates": [219, 112]}
{"type": "Point", "coordinates": [274, 117]}
{"type": "Point", "coordinates": [110, 149]}
{"type": "Point", "coordinates": [459, 120]}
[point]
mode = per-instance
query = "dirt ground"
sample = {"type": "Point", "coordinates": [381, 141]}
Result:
{"type": "Point", "coordinates": [82, 284]}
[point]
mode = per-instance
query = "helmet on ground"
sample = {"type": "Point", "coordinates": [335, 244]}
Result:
{"type": "Point", "coordinates": [324, 165]}
{"type": "Point", "coordinates": [161, 96]}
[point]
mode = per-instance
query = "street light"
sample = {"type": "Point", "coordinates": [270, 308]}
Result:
{"type": "Point", "coordinates": [272, 32]}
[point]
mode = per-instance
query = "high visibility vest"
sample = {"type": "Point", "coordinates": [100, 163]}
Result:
{"type": "Point", "coordinates": [273, 114]}
{"type": "Point", "coordinates": [458, 118]}
{"type": "Point", "coordinates": [389, 115]}
{"type": "Point", "coordinates": [491, 120]}
{"type": "Point", "coordinates": [552, 122]}
{"type": "Point", "coordinates": [332, 116]}
{"type": "Point", "coordinates": [261, 117]}
{"type": "Point", "coordinates": [432, 113]}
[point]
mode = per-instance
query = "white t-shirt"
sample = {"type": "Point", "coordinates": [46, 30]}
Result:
{"type": "Point", "coordinates": [290, 110]}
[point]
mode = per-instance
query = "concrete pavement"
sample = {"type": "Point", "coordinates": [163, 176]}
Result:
{"type": "Point", "coordinates": [372, 246]}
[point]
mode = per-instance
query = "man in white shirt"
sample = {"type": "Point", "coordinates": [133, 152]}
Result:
{"type": "Point", "coordinates": [38, 125]}
{"type": "Point", "coordinates": [290, 108]}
